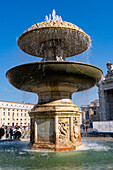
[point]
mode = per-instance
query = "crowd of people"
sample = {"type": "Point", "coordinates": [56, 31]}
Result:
{"type": "Point", "coordinates": [13, 132]}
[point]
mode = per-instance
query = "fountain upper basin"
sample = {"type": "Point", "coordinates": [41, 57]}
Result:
{"type": "Point", "coordinates": [74, 39]}
{"type": "Point", "coordinates": [54, 76]}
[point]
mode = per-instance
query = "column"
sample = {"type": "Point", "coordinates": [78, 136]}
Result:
{"type": "Point", "coordinates": [71, 128]}
{"type": "Point", "coordinates": [35, 129]}
{"type": "Point", "coordinates": [56, 130]}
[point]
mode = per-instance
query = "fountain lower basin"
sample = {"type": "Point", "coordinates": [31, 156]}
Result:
{"type": "Point", "coordinates": [54, 76]}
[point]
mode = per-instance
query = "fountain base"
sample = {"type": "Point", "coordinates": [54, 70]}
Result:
{"type": "Point", "coordinates": [55, 126]}
{"type": "Point", "coordinates": [48, 148]}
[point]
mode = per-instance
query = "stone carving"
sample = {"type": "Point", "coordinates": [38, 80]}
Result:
{"type": "Point", "coordinates": [76, 130]}
{"type": "Point", "coordinates": [63, 126]}
{"type": "Point", "coordinates": [110, 68]}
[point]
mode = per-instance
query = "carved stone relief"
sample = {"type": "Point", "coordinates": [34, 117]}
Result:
{"type": "Point", "coordinates": [63, 126]}
{"type": "Point", "coordinates": [76, 127]}
{"type": "Point", "coordinates": [109, 68]}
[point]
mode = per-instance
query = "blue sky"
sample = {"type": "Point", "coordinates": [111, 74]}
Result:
{"type": "Point", "coordinates": [95, 17]}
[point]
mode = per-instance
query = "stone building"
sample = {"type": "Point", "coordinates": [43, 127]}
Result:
{"type": "Point", "coordinates": [106, 95]}
{"type": "Point", "coordinates": [90, 113]}
{"type": "Point", "coordinates": [13, 113]}
{"type": "Point", "coordinates": [102, 109]}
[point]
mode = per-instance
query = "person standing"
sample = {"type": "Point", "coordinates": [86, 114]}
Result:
{"type": "Point", "coordinates": [1, 131]}
{"type": "Point", "coordinates": [7, 132]}
{"type": "Point", "coordinates": [12, 132]}
{"type": "Point", "coordinates": [17, 133]}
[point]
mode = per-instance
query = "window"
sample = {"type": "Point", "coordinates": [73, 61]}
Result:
{"type": "Point", "coordinates": [3, 113]}
{"type": "Point", "coordinates": [21, 119]}
{"type": "Point", "coordinates": [25, 119]}
{"type": "Point", "coordinates": [3, 118]}
{"type": "Point", "coordinates": [8, 118]}
{"type": "Point", "coordinates": [16, 119]}
{"type": "Point", "coordinates": [25, 114]}
{"type": "Point", "coordinates": [21, 114]}
{"type": "Point", "coordinates": [17, 114]}
{"type": "Point", "coordinates": [8, 113]}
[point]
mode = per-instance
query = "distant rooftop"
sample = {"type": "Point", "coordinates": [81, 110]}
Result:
{"type": "Point", "coordinates": [16, 102]}
{"type": "Point", "coordinates": [94, 101]}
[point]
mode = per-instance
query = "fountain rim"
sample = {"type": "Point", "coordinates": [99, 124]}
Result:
{"type": "Point", "coordinates": [54, 62]}
{"type": "Point", "coordinates": [66, 28]}
{"type": "Point", "coordinates": [75, 68]}
{"type": "Point", "coordinates": [42, 27]}
{"type": "Point", "coordinates": [27, 32]}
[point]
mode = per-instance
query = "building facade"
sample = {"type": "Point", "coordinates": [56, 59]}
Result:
{"type": "Point", "coordinates": [90, 113]}
{"type": "Point", "coordinates": [13, 113]}
{"type": "Point", "coordinates": [102, 109]}
{"type": "Point", "coordinates": [106, 95]}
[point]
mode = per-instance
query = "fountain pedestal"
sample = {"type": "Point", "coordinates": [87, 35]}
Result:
{"type": "Point", "coordinates": [55, 125]}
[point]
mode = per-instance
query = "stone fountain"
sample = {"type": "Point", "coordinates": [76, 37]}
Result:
{"type": "Point", "coordinates": [55, 120]}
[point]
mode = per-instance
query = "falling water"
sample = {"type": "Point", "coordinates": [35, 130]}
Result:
{"type": "Point", "coordinates": [83, 97]}
{"type": "Point", "coordinates": [23, 95]}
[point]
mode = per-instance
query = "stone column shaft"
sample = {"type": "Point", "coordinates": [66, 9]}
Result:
{"type": "Point", "coordinates": [71, 128]}
{"type": "Point", "coordinates": [36, 130]}
{"type": "Point", "coordinates": [56, 130]}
